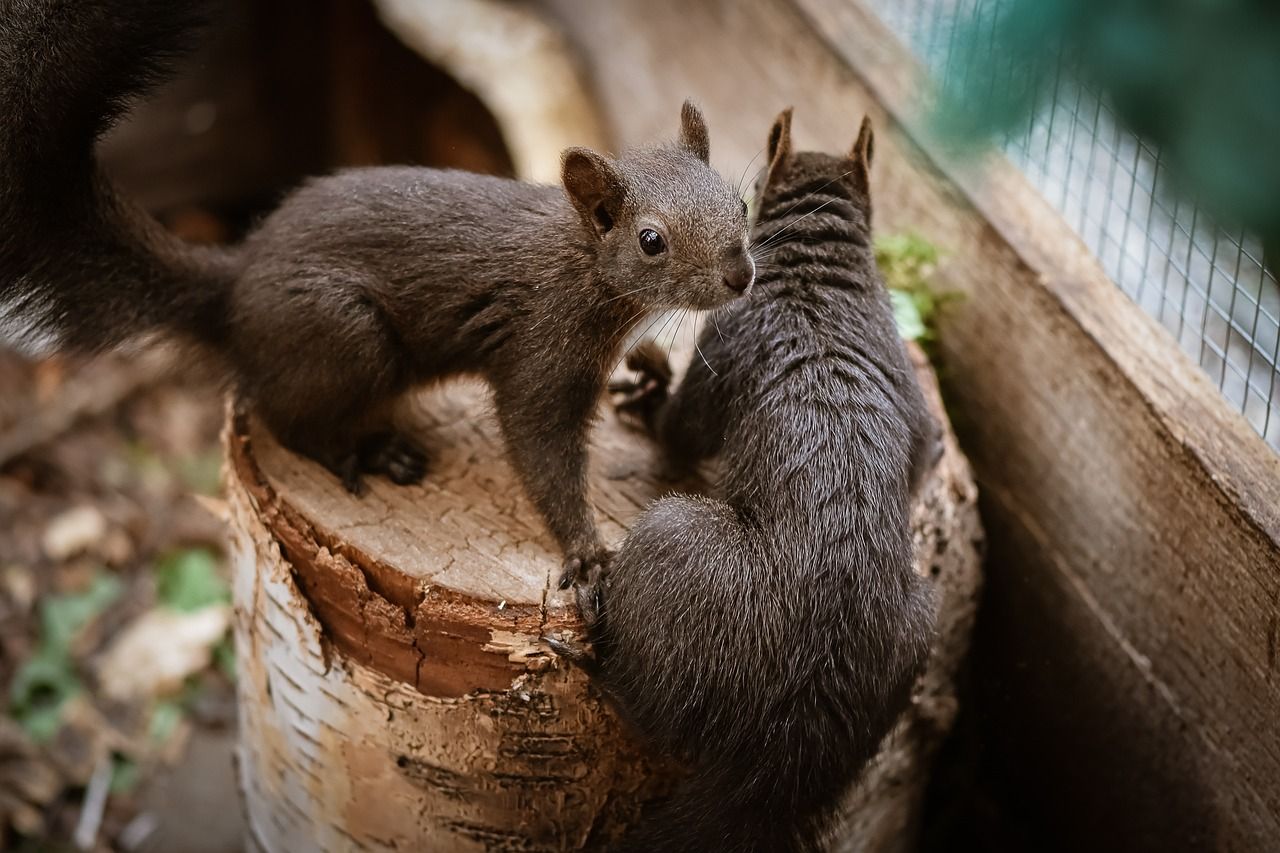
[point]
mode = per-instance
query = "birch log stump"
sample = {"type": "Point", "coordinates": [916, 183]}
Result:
{"type": "Point", "coordinates": [394, 690]}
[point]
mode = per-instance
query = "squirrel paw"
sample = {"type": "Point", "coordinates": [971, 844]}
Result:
{"type": "Point", "coordinates": [577, 653]}
{"type": "Point", "coordinates": [585, 568]}
{"type": "Point", "coordinates": [388, 453]}
{"type": "Point", "coordinates": [401, 460]}
{"type": "Point", "coordinates": [642, 396]}
{"type": "Point", "coordinates": [347, 469]}
{"type": "Point", "coordinates": [590, 598]}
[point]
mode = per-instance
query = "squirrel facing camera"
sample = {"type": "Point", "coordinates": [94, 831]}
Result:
{"type": "Point", "coordinates": [363, 285]}
{"type": "Point", "coordinates": [664, 220]}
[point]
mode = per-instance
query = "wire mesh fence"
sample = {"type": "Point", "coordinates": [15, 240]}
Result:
{"type": "Point", "coordinates": [1209, 287]}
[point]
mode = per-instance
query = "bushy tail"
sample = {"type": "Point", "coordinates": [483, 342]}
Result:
{"type": "Point", "coordinates": [700, 816]}
{"type": "Point", "coordinates": [80, 267]}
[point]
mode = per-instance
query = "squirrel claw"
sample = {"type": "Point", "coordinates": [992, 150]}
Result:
{"type": "Point", "coordinates": [589, 568]}
{"type": "Point", "coordinates": [401, 460]}
{"type": "Point", "coordinates": [570, 574]}
{"type": "Point", "coordinates": [579, 654]}
{"type": "Point", "coordinates": [590, 598]}
{"type": "Point", "coordinates": [348, 471]}
{"type": "Point", "coordinates": [587, 576]}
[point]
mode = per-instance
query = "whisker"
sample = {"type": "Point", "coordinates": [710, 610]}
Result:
{"type": "Point", "coordinates": [700, 355]}
{"type": "Point", "coordinates": [662, 331]}
{"type": "Point", "coordinates": [634, 318]}
{"type": "Point", "coordinates": [800, 201]}
{"type": "Point", "coordinates": [716, 324]}
{"type": "Point", "coordinates": [755, 177]}
{"type": "Point", "coordinates": [643, 336]}
{"type": "Point", "coordinates": [671, 343]}
{"type": "Point", "coordinates": [747, 167]}
{"type": "Point", "coordinates": [628, 293]}
{"type": "Point", "coordinates": [772, 241]}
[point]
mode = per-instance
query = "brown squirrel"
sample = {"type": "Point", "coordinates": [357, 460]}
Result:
{"type": "Point", "coordinates": [769, 637]}
{"type": "Point", "coordinates": [363, 285]}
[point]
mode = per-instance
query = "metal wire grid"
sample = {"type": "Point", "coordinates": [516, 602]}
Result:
{"type": "Point", "coordinates": [1208, 287]}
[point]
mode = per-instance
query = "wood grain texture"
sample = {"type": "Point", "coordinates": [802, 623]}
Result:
{"type": "Point", "coordinates": [516, 62]}
{"type": "Point", "coordinates": [395, 690]}
{"type": "Point", "coordinates": [1139, 516]}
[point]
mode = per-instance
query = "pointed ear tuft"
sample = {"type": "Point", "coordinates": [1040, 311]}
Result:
{"type": "Point", "coordinates": [862, 152]}
{"type": "Point", "coordinates": [693, 132]}
{"type": "Point", "coordinates": [594, 187]}
{"type": "Point", "coordinates": [779, 146]}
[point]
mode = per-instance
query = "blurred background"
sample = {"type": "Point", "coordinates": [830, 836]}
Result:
{"type": "Point", "coordinates": [1152, 128]}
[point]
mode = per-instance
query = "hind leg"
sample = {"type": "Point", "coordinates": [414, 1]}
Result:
{"type": "Point", "coordinates": [326, 390]}
{"type": "Point", "coordinates": [346, 430]}
{"type": "Point", "coordinates": [352, 449]}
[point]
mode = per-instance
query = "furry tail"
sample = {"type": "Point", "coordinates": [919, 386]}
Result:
{"type": "Point", "coordinates": [80, 267]}
{"type": "Point", "coordinates": [701, 816]}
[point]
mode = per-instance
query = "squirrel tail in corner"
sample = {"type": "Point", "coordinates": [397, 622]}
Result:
{"type": "Point", "coordinates": [82, 268]}
{"type": "Point", "coordinates": [707, 812]}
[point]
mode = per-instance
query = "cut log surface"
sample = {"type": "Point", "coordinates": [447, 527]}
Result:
{"type": "Point", "coordinates": [395, 689]}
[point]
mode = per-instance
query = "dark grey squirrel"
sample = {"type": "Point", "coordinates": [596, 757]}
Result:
{"type": "Point", "coordinates": [359, 286]}
{"type": "Point", "coordinates": [769, 638]}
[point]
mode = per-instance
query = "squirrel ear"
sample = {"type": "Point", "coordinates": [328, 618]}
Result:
{"type": "Point", "coordinates": [594, 187]}
{"type": "Point", "coordinates": [861, 153]}
{"type": "Point", "coordinates": [693, 132]}
{"type": "Point", "coordinates": [779, 146]}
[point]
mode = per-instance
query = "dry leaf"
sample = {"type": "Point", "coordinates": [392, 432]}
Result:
{"type": "Point", "coordinates": [155, 653]}
{"type": "Point", "coordinates": [28, 782]}
{"type": "Point", "coordinates": [18, 584]}
{"type": "Point", "coordinates": [73, 532]}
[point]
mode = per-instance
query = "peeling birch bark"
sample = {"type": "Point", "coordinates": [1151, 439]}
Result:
{"type": "Point", "coordinates": [394, 689]}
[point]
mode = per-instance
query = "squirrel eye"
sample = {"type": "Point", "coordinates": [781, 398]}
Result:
{"type": "Point", "coordinates": [651, 242]}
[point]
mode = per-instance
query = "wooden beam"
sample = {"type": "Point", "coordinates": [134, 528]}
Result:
{"type": "Point", "coordinates": [1137, 516]}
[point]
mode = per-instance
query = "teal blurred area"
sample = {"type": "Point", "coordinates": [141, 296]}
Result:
{"type": "Point", "coordinates": [1153, 128]}
{"type": "Point", "coordinates": [1198, 79]}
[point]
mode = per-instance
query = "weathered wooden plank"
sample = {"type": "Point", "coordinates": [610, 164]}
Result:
{"type": "Point", "coordinates": [1141, 515]}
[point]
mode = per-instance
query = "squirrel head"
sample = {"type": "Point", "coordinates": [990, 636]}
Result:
{"type": "Point", "coordinates": [790, 170]}
{"type": "Point", "coordinates": [669, 230]}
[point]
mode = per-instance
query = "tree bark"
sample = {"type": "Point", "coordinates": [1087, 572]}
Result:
{"type": "Point", "coordinates": [394, 689]}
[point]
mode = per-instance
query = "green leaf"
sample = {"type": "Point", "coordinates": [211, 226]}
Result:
{"type": "Point", "coordinates": [190, 580]}
{"type": "Point", "coordinates": [39, 690]}
{"type": "Point", "coordinates": [164, 721]}
{"type": "Point", "coordinates": [62, 616]}
{"type": "Point", "coordinates": [907, 315]}
{"type": "Point", "coordinates": [224, 655]}
{"type": "Point", "coordinates": [42, 723]}
{"type": "Point", "coordinates": [124, 774]}
{"type": "Point", "coordinates": [44, 673]}
{"type": "Point", "coordinates": [48, 679]}
{"type": "Point", "coordinates": [907, 262]}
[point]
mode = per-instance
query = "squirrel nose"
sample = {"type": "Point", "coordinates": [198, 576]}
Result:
{"type": "Point", "coordinates": [740, 275]}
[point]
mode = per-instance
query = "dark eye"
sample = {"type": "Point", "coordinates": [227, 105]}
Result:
{"type": "Point", "coordinates": [744, 207]}
{"type": "Point", "coordinates": [651, 242]}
